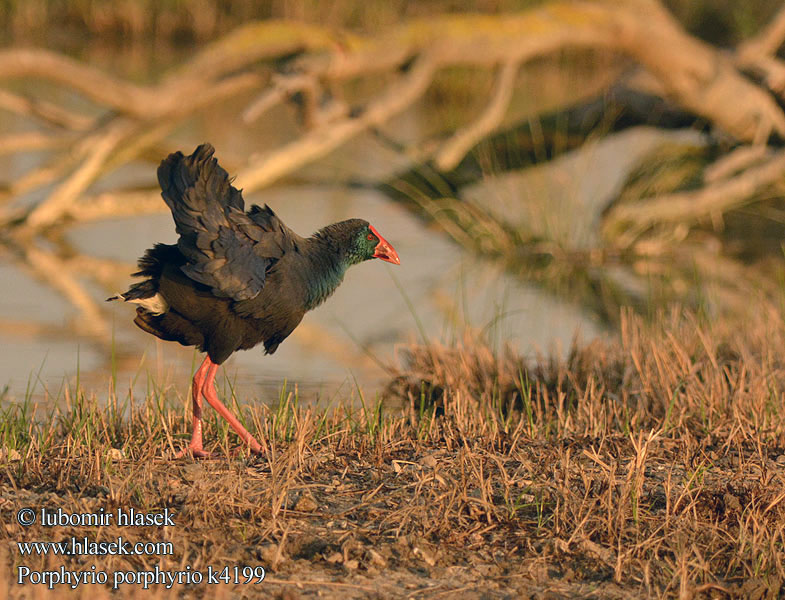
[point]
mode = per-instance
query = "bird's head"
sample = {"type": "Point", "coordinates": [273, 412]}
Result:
{"type": "Point", "coordinates": [364, 243]}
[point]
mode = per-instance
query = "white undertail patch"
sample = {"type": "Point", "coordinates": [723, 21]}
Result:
{"type": "Point", "coordinates": [156, 305]}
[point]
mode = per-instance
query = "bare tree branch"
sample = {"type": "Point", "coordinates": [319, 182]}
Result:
{"type": "Point", "coordinates": [101, 147]}
{"type": "Point", "coordinates": [696, 76]}
{"type": "Point", "coordinates": [70, 73]}
{"type": "Point", "coordinates": [738, 160]}
{"type": "Point", "coordinates": [27, 142]}
{"type": "Point", "coordinates": [282, 87]}
{"type": "Point", "coordinates": [47, 111]}
{"type": "Point", "coordinates": [759, 54]}
{"type": "Point", "coordinates": [768, 41]}
{"type": "Point", "coordinates": [454, 149]}
{"type": "Point", "coordinates": [117, 204]}
{"type": "Point", "coordinates": [397, 98]}
{"type": "Point", "coordinates": [277, 61]}
{"type": "Point", "coordinates": [625, 222]}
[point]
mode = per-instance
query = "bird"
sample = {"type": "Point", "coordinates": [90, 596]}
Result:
{"type": "Point", "coordinates": [235, 278]}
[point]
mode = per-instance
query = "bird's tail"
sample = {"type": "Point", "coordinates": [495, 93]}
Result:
{"type": "Point", "coordinates": [145, 295]}
{"type": "Point", "coordinates": [151, 265]}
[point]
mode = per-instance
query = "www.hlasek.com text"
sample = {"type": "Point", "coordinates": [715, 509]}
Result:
{"type": "Point", "coordinates": [87, 547]}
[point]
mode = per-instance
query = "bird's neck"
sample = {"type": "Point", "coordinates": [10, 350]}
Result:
{"type": "Point", "coordinates": [326, 274]}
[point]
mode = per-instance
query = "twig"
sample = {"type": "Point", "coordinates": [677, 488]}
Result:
{"type": "Point", "coordinates": [191, 100]}
{"type": "Point", "coordinates": [33, 140]}
{"type": "Point", "coordinates": [768, 41]}
{"type": "Point", "coordinates": [455, 148]}
{"type": "Point", "coordinates": [739, 159]}
{"type": "Point", "coordinates": [630, 220]}
{"type": "Point", "coordinates": [90, 82]}
{"type": "Point", "coordinates": [263, 40]}
{"type": "Point", "coordinates": [283, 86]}
{"type": "Point", "coordinates": [398, 97]}
{"type": "Point", "coordinates": [64, 195]}
{"type": "Point", "coordinates": [47, 111]}
{"type": "Point", "coordinates": [116, 204]}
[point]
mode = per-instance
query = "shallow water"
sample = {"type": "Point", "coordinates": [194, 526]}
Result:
{"type": "Point", "coordinates": [368, 315]}
{"type": "Point", "coordinates": [438, 291]}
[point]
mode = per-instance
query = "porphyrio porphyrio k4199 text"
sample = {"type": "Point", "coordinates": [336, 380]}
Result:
{"type": "Point", "coordinates": [235, 279]}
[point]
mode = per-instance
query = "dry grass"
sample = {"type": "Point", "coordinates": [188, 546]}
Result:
{"type": "Point", "coordinates": [648, 467]}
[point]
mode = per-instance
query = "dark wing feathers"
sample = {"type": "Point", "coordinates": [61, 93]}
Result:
{"type": "Point", "coordinates": [225, 248]}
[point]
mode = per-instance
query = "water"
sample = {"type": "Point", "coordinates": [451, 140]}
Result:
{"type": "Point", "coordinates": [367, 317]}
{"type": "Point", "coordinates": [438, 291]}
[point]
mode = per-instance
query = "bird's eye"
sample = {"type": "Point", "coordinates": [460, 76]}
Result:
{"type": "Point", "coordinates": [370, 237]}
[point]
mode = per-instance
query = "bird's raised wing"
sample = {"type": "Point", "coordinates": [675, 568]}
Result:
{"type": "Point", "coordinates": [225, 248]}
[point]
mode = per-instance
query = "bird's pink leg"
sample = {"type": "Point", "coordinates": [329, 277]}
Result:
{"type": "Point", "coordinates": [209, 393]}
{"type": "Point", "coordinates": [195, 446]}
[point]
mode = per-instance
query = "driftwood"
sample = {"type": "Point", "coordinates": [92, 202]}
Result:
{"type": "Point", "coordinates": [689, 207]}
{"type": "Point", "coordinates": [736, 96]}
{"type": "Point", "coordinates": [695, 77]}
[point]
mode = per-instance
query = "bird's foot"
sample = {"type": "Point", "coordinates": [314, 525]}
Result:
{"type": "Point", "coordinates": [196, 452]}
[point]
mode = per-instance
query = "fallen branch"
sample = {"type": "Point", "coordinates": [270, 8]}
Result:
{"type": "Point", "coordinates": [624, 223]}
{"type": "Point", "coordinates": [692, 74]}
{"type": "Point", "coordinates": [112, 205]}
{"type": "Point", "coordinates": [91, 83]}
{"type": "Point", "coordinates": [64, 195]}
{"type": "Point", "coordinates": [739, 159]}
{"type": "Point", "coordinates": [49, 112]}
{"type": "Point", "coordinates": [283, 86]}
{"type": "Point", "coordinates": [32, 141]}
{"type": "Point", "coordinates": [398, 97]}
{"type": "Point", "coordinates": [454, 149]}
{"type": "Point", "coordinates": [768, 40]}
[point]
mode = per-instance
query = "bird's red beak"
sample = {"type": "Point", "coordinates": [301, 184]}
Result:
{"type": "Point", "coordinates": [383, 249]}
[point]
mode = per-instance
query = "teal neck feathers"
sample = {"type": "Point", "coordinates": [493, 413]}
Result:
{"type": "Point", "coordinates": [325, 281]}
{"type": "Point", "coordinates": [331, 251]}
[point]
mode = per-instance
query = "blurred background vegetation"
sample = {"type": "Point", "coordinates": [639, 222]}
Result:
{"type": "Point", "coordinates": [720, 22]}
